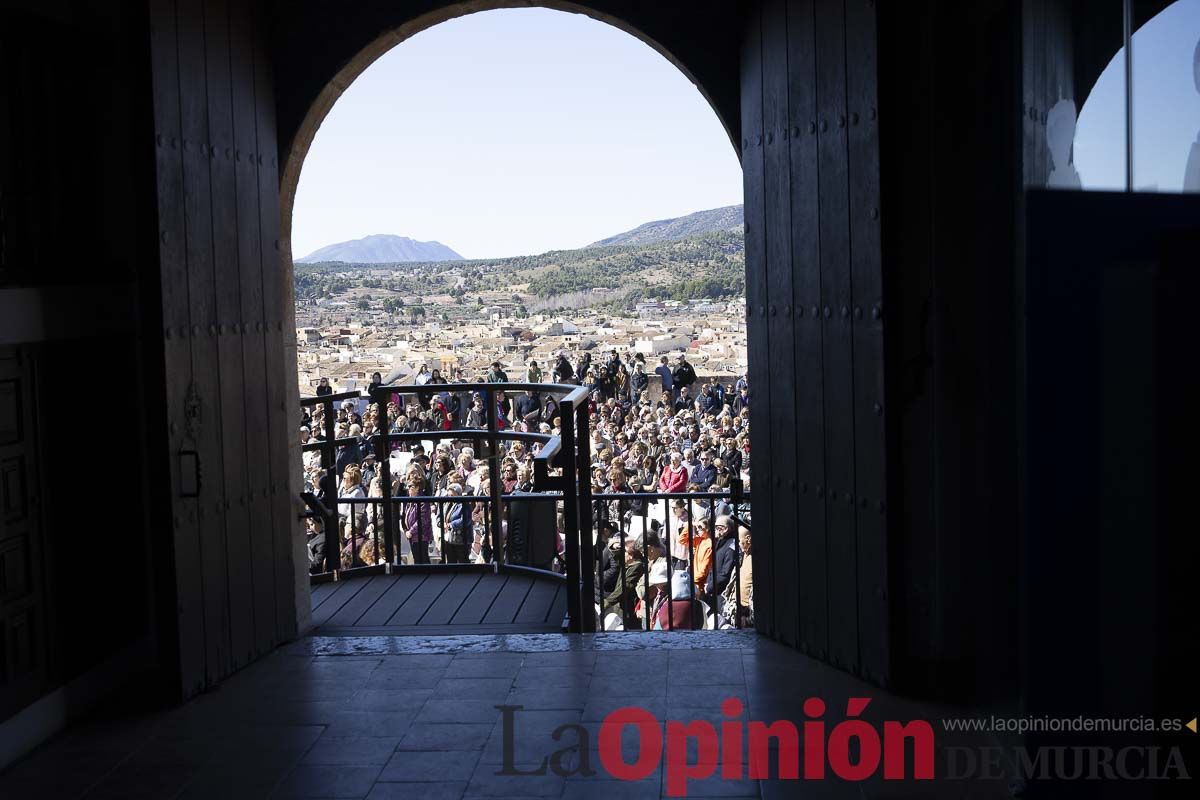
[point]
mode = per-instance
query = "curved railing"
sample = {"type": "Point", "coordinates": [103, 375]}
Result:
{"type": "Point", "coordinates": [561, 484]}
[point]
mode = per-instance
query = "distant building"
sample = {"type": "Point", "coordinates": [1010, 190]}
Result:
{"type": "Point", "coordinates": [664, 343]}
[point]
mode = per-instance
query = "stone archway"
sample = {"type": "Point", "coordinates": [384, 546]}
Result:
{"type": "Point", "coordinates": [407, 22]}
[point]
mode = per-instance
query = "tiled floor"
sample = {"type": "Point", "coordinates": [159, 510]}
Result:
{"type": "Point", "coordinates": [411, 717]}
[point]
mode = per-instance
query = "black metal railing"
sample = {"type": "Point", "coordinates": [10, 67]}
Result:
{"type": "Point", "coordinates": [514, 530]}
{"type": "Point", "coordinates": [713, 588]}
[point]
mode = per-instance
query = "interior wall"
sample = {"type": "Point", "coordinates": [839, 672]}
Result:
{"type": "Point", "coordinates": [815, 305]}
{"type": "Point", "coordinates": [74, 430]}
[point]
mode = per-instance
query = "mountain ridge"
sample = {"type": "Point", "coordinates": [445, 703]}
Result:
{"type": "Point", "coordinates": [665, 230]}
{"type": "Point", "coordinates": [382, 248]}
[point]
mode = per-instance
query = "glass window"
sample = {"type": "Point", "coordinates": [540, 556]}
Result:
{"type": "Point", "coordinates": [1166, 95]}
{"type": "Point", "coordinates": [1075, 99]}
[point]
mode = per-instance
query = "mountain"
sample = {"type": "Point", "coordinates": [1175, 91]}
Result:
{"type": "Point", "coordinates": [382, 248]}
{"type": "Point", "coordinates": [665, 230]}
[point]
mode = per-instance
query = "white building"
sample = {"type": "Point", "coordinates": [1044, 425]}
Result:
{"type": "Point", "coordinates": [663, 343]}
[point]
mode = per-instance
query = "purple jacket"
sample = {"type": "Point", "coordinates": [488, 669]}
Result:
{"type": "Point", "coordinates": [418, 522]}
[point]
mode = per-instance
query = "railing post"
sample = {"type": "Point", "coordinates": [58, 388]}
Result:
{"type": "Point", "coordinates": [494, 489]}
{"type": "Point", "coordinates": [712, 564]}
{"type": "Point", "coordinates": [383, 457]}
{"type": "Point", "coordinates": [583, 473]}
{"type": "Point", "coordinates": [577, 602]}
{"type": "Point", "coordinates": [333, 545]}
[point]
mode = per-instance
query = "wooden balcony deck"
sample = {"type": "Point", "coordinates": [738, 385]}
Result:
{"type": "Point", "coordinates": [466, 600]}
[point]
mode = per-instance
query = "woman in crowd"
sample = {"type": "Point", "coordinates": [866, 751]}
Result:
{"type": "Point", "coordinates": [417, 521]}
{"type": "Point", "coordinates": [684, 611]}
{"type": "Point", "coordinates": [456, 548]}
{"type": "Point", "coordinates": [623, 598]}
{"type": "Point", "coordinates": [443, 468]}
{"type": "Point", "coordinates": [674, 475]}
{"type": "Point", "coordinates": [353, 516]}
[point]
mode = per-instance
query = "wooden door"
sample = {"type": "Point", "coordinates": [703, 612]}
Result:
{"type": "Point", "coordinates": [23, 612]}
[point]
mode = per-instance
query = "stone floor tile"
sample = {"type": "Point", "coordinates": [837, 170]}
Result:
{"type": "Point", "coordinates": [548, 698]}
{"type": "Point", "coordinates": [494, 689]}
{"type": "Point", "coordinates": [450, 790]}
{"type": "Point", "coordinates": [482, 668]}
{"type": "Point", "coordinates": [370, 723]}
{"type": "Point", "coordinates": [447, 710]}
{"type": "Point", "coordinates": [413, 661]}
{"type": "Point", "coordinates": [234, 782]}
{"type": "Point", "coordinates": [569, 659]}
{"type": "Point", "coordinates": [552, 677]}
{"type": "Point", "coordinates": [310, 781]}
{"type": "Point", "coordinates": [446, 736]}
{"type": "Point", "coordinates": [485, 782]}
{"type": "Point", "coordinates": [352, 751]}
{"type": "Point", "coordinates": [533, 735]}
{"type": "Point", "coordinates": [414, 767]}
{"type": "Point", "coordinates": [143, 783]}
{"type": "Point", "coordinates": [600, 706]}
{"type": "Point", "coordinates": [420, 678]}
{"type": "Point", "coordinates": [389, 699]}
{"type": "Point", "coordinates": [612, 790]}
{"type": "Point", "coordinates": [632, 684]}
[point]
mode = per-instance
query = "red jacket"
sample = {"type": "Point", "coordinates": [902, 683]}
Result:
{"type": "Point", "coordinates": [673, 481]}
{"type": "Point", "coordinates": [440, 408]}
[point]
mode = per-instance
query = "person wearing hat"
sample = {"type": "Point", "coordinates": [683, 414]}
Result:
{"type": "Point", "coordinates": [368, 468]}
{"type": "Point", "coordinates": [608, 567]}
{"type": "Point", "coordinates": [652, 591]}
{"type": "Point", "coordinates": [684, 611]}
{"type": "Point", "coordinates": [659, 589]}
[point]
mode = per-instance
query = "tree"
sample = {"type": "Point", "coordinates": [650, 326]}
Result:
{"type": "Point", "coordinates": [363, 305]}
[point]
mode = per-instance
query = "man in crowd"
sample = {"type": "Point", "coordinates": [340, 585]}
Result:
{"type": "Point", "coordinates": [704, 474]}
{"type": "Point", "coordinates": [684, 375]}
{"type": "Point", "coordinates": [563, 371]}
{"type": "Point", "coordinates": [663, 370]}
{"type": "Point", "coordinates": [496, 374]}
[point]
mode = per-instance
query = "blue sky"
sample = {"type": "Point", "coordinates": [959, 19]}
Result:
{"type": "Point", "coordinates": [1166, 108]}
{"type": "Point", "coordinates": [510, 133]}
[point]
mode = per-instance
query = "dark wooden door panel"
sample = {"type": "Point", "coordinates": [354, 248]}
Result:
{"type": "Point", "coordinates": [815, 328]}
{"type": "Point", "coordinates": [227, 368]}
{"type": "Point", "coordinates": [757, 337]}
{"type": "Point", "coordinates": [809, 401]}
{"type": "Point", "coordinates": [24, 639]}
{"type": "Point", "coordinates": [777, 226]}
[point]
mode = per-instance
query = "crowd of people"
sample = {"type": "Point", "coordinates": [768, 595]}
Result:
{"type": "Point", "coordinates": [686, 567]}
